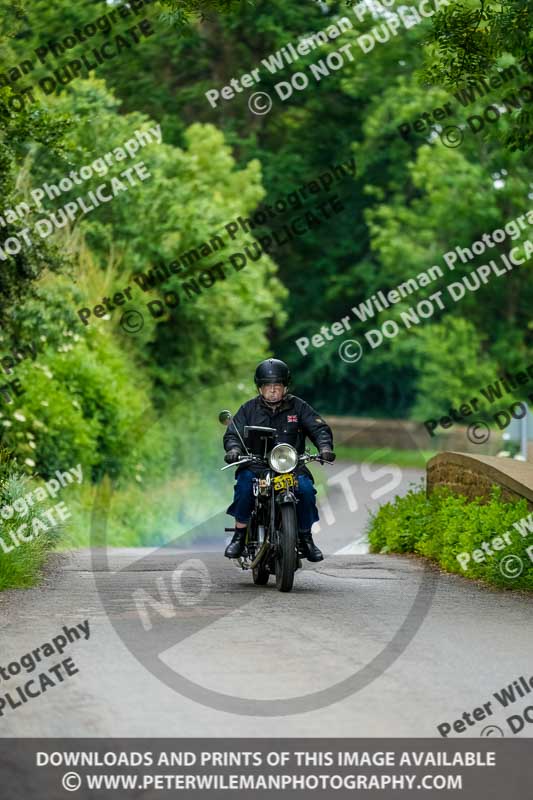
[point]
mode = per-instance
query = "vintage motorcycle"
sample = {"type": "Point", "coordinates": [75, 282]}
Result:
{"type": "Point", "coordinates": [272, 546]}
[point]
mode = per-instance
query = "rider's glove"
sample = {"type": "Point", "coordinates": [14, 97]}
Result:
{"type": "Point", "coordinates": [328, 455]}
{"type": "Point", "coordinates": [232, 456]}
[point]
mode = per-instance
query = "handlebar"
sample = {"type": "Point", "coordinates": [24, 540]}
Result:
{"type": "Point", "coordinates": [258, 460]}
{"type": "Point", "coordinates": [308, 457]}
{"type": "Point", "coordinates": [245, 460]}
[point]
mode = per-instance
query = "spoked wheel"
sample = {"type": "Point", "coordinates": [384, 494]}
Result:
{"type": "Point", "coordinates": [261, 575]}
{"type": "Point", "coordinates": [287, 556]}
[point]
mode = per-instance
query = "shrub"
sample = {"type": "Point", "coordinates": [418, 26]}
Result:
{"type": "Point", "coordinates": [79, 406]}
{"type": "Point", "coordinates": [443, 525]}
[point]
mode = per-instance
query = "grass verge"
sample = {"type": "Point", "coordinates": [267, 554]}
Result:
{"type": "Point", "coordinates": [416, 459]}
{"type": "Point", "coordinates": [26, 536]}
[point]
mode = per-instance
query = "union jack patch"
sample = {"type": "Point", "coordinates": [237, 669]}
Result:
{"type": "Point", "coordinates": [292, 418]}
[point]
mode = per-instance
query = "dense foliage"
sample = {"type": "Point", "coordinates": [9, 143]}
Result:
{"type": "Point", "coordinates": [444, 525]}
{"type": "Point", "coordinates": [470, 38]}
{"type": "Point", "coordinates": [142, 408]}
{"type": "Point", "coordinates": [412, 200]}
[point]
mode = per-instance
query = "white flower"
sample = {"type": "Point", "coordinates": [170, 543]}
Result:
{"type": "Point", "coordinates": [32, 444]}
{"type": "Point", "coordinates": [18, 415]}
{"type": "Point", "coordinates": [7, 423]}
{"type": "Point", "coordinates": [30, 462]}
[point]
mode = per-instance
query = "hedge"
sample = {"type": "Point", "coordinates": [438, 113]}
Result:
{"type": "Point", "coordinates": [443, 525]}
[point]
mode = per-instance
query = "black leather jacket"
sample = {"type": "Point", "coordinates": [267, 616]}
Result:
{"type": "Point", "coordinates": [294, 420]}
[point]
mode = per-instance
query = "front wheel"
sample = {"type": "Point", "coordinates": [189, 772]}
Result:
{"type": "Point", "coordinates": [260, 575]}
{"type": "Point", "coordinates": [287, 557]}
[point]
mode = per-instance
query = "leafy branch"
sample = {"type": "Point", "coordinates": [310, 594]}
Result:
{"type": "Point", "coordinates": [467, 42]}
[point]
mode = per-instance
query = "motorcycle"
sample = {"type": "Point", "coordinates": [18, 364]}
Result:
{"type": "Point", "coordinates": [271, 546]}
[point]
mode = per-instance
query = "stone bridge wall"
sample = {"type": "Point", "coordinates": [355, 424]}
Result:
{"type": "Point", "coordinates": [403, 435]}
{"type": "Point", "coordinates": [474, 475]}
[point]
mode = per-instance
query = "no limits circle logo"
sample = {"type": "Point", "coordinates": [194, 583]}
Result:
{"type": "Point", "coordinates": [165, 607]}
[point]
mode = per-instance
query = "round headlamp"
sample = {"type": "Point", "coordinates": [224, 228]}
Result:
{"type": "Point", "coordinates": [283, 458]}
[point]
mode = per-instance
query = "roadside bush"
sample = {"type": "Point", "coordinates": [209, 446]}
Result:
{"type": "Point", "coordinates": [20, 565]}
{"type": "Point", "coordinates": [443, 525]}
{"type": "Point", "coordinates": [79, 406]}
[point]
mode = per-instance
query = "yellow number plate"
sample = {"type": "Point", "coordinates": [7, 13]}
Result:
{"type": "Point", "coordinates": [287, 481]}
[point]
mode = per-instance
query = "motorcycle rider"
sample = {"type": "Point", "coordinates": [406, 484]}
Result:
{"type": "Point", "coordinates": [294, 419]}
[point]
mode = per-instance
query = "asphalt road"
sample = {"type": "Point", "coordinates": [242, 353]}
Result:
{"type": "Point", "coordinates": [182, 644]}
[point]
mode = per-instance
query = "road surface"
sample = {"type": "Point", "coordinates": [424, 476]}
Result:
{"type": "Point", "coordinates": [365, 645]}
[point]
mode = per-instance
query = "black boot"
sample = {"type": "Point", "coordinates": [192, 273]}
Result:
{"type": "Point", "coordinates": [236, 546]}
{"type": "Point", "coordinates": [310, 550]}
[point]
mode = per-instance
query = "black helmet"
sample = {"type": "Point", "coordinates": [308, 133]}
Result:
{"type": "Point", "coordinates": [272, 370]}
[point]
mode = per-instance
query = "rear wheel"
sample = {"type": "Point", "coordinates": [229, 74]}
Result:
{"type": "Point", "coordinates": [260, 573]}
{"type": "Point", "coordinates": [287, 557]}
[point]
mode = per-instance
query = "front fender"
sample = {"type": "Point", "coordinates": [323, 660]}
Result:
{"type": "Point", "coordinates": [286, 497]}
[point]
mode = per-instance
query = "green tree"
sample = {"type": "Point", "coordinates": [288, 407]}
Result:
{"type": "Point", "coordinates": [451, 365]}
{"type": "Point", "coordinates": [470, 39]}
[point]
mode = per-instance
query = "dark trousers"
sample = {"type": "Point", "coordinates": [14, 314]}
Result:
{"type": "Point", "coordinates": [243, 500]}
